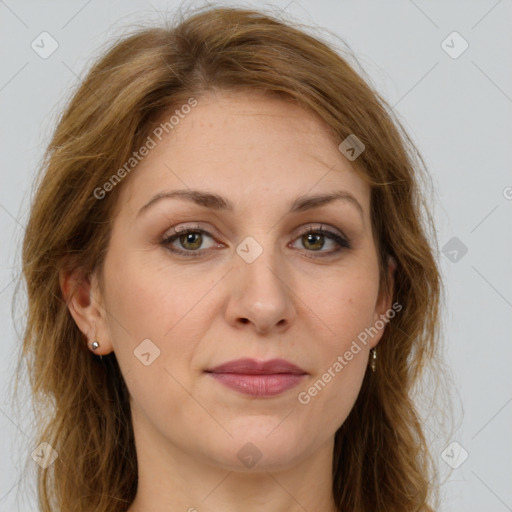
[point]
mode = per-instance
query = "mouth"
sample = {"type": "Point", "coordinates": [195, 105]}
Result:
{"type": "Point", "coordinates": [258, 378]}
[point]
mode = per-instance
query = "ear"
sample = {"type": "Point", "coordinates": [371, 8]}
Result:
{"type": "Point", "coordinates": [85, 303]}
{"type": "Point", "coordinates": [383, 308]}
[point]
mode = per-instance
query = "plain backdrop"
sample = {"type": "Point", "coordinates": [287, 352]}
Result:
{"type": "Point", "coordinates": [453, 93]}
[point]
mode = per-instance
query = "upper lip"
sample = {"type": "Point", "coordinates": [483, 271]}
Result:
{"type": "Point", "coordinates": [247, 366]}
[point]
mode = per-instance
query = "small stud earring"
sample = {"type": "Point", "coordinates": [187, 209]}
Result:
{"type": "Point", "coordinates": [373, 359]}
{"type": "Point", "coordinates": [95, 345]}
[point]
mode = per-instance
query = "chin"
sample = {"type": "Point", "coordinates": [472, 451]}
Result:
{"type": "Point", "coordinates": [258, 447]}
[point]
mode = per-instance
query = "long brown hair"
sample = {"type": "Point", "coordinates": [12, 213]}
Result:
{"type": "Point", "coordinates": [381, 459]}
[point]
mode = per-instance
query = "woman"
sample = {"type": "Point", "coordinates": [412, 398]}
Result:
{"type": "Point", "coordinates": [231, 286]}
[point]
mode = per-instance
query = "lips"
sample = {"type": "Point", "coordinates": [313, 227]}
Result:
{"type": "Point", "coordinates": [258, 378]}
{"type": "Point", "coordinates": [254, 367]}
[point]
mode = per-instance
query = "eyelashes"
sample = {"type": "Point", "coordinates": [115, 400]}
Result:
{"type": "Point", "coordinates": [313, 241]}
{"type": "Point", "coordinates": [189, 235]}
{"type": "Point", "coordinates": [315, 236]}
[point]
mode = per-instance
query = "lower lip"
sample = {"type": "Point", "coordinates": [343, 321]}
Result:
{"type": "Point", "coordinates": [259, 385]}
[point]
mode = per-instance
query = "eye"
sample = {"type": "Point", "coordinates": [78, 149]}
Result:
{"type": "Point", "coordinates": [194, 241]}
{"type": "Point", "coordinates": [316, 240]}
{"type": "Point", "coordinates": [188, 242]}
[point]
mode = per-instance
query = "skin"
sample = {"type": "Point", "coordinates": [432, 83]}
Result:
{"type": "Point", "coordinates": [260, 153]}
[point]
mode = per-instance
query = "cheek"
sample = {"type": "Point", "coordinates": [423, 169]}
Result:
{"type": "Point", "coordinates": [147, 300]}
{"type": "Point", "coordinates": [347, 306]}
{"type": "Point", "coordinates": [146, 305]}
{"type": "Point", "coordinates": [172, 309]}
{"type": "Point", "coordinates": [142, 306]}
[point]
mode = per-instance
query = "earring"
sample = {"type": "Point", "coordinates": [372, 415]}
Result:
{"type": "Point", "coordinates": [373, 359]}
{"type": "Point", "coordinates": [95, 345]}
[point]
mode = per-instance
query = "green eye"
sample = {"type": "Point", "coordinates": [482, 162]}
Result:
{"type": "Point", "coordinates": [313, 241]}
{"type": "Point", "coordinates": [191, 240]}
{"type": "Point", "coordinates": [196, 242]}
{"type": "Point", "coordinates": [322, 241]}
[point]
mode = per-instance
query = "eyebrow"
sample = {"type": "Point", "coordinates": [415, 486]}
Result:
{"type": "Point", "coordinates": [217, 202]}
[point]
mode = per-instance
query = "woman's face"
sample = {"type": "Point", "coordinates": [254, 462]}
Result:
{"type": "Point", "coordinates": [247, 262]}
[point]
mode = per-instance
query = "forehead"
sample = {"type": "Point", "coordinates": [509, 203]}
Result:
{"type": "Point", "coordinates": [245, 145]}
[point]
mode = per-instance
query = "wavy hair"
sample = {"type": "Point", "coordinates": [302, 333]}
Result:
{"type": "Point", "coordinates": [381, 459]}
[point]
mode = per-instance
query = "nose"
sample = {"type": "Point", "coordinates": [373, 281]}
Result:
{"type": "Point", "coordinates": [260, 297]}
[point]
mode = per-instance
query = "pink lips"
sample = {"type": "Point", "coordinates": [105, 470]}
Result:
{"type": "Point", "coordinates": [258, 378]}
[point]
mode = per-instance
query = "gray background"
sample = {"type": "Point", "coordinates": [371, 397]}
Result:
{"type": "Point", "coordinates": [457, 110]}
